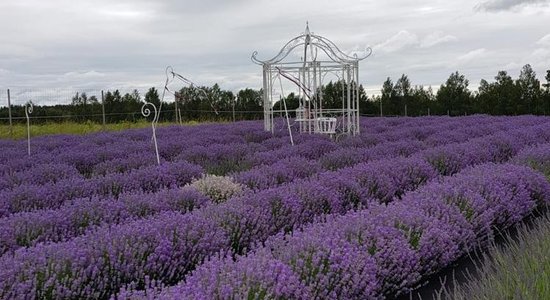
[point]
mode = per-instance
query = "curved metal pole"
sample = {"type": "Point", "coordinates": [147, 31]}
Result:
{"type": "Point", "coordinates": [168, 71]}
{"type": "Point", "coordinates": [170, 76]}
{"type": "Point", "coordinates": [29, 107]}
{"type": "Point", "coordinates": [296, 81]}
{"type": "Point", "coordinates": [146, 112]}
{"type": "Point", "coordinates": [286, 111]}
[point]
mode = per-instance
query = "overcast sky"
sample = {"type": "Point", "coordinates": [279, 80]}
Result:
{"type": "Point", "coordinates": [85, 45]}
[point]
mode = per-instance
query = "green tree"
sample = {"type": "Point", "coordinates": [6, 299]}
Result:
{"type": "Point", "coordinates": [530, 94]}
{"type": "Point", "coordinates": [292, 103]}
{"type": "Point", "coordinates": [454, 97]}
{"type": "Point", "coordinates": [486, 100]}
{"type": "Point", "coordinates": [93, 100]}
{"type": "Point", "coordinates": [130, 100]}
{"type": "Point", "coordinates": [421, 101]}
{"type": "Point", "coordinates": [152, 96]}
{"type": "Point", "coordinates": [191, 98]}
{"type": "Point", "coordinates": [80, 99]}
{"type": "Point", "coordinates": [249, 101]}
{"type": "Point", "coordinates": [113, 105]}
{"type": "Point", "coordinates": [506, 93]}
{"type": "Point", "coordinates": [547, 84]}
{"type": "Point", "coordinates": [403, 95]}
{"type": "Point", "coordinates": [389, 98]}
{"type": "Point", "coordinates": [333, 94]}
{"type": "Point", "coordinates": [500, 97]}
{"type": "Point", "coordinates": [547, 93]}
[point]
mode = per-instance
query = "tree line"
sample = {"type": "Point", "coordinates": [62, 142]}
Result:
{"type": "Point", "coordinates": [503, 96]}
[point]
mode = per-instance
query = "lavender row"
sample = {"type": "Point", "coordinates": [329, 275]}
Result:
{"type": "Point", "coordinates": [32, 197]}
{"type": "Point", "coordinates": [76, 217]}
{"type": "Point", "coordinates": [317, 148]}
{"type": "Point", "coordinates": [377, 252]}
{"type": "Point", "coordinates": [81, 215]}
{"type": "Point", "coordinates": [239, 223]}
{"type": "Point", "coordinates": [499, 147]}
{"type": "Point", "coordinates": [279, 166]}
{"type": "Point", "coordinates": [198, 135]}
{"type": "Point", "coordinates": [39, 175]}
{"type": "Point", "coordinates": [537, 157]}
{"type": "Point", "coordinates": [93, 161]}
{"type": "Point", "coordinates": [118, 155]}
{"type": "Point", "coordinates": [84, 152]}
{"type": "Point", "coordinates": [288, 169]}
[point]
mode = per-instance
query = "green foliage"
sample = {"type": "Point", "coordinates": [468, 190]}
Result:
{"type": "Point", "coordinates": [215, 104]}
{"type": "Point", "coordinates": [152, 96]}
{"type": "Point", "coordinates": [413, 235]}
{"type": "Point", "coordinates": [504, 96]}
{"type": "Point", "coordinates": [20, 130]}
{"type": "Point", "coordinates": [507, 96]}
{"type": "Point", "coordinates": [402, 99]}
{"type": "Point", "coordinates": [530, 92]}
{"type": "Point", "coordinates": [454, 97]}
{"type": "Point", "coordinates": [520, 269]}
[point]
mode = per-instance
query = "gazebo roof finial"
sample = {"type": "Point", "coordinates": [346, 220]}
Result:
{"type": "Point", "coordinates": [307, 34]}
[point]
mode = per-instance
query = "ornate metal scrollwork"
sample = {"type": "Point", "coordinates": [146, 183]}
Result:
{"type": "Point", "coordinates": [285, 51]}
{"type": "Point", "coordinates": [310, 39]}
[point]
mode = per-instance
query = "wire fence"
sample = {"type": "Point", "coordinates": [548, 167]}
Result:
{"type": "Point", "coordinates": [58, 96]}
{"type": "Point", "coordinates": [90, 105]}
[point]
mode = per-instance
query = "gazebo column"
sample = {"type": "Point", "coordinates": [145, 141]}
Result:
{"type": "Point", "coordinates": [267, 99]}
{"type": "Point", "coordinates": [348, 109]}
{"type": "Point", "coordinates": [356, 68]}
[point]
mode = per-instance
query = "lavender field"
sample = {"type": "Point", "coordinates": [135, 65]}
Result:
{"type": "Point", "coordinates": [233, 212]}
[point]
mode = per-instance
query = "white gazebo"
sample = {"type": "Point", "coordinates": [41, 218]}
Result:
{"type": "Point", "coordinates": [308, 76]}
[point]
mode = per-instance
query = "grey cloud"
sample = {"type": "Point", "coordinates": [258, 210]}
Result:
{"type": "Point", "coordinates": [437, 38]}
{"type": "Point", "coordinates": [63, 45]}
{"type": "Point", "coordinates": [402, 39]}
{"type": "Point", "coordinates": [503, 5]}
{"type": "Point", "coordinates": [544, 41]}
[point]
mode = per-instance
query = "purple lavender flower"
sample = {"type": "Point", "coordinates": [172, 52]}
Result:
{"type": "Point", "coordinates": [255, 277]}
